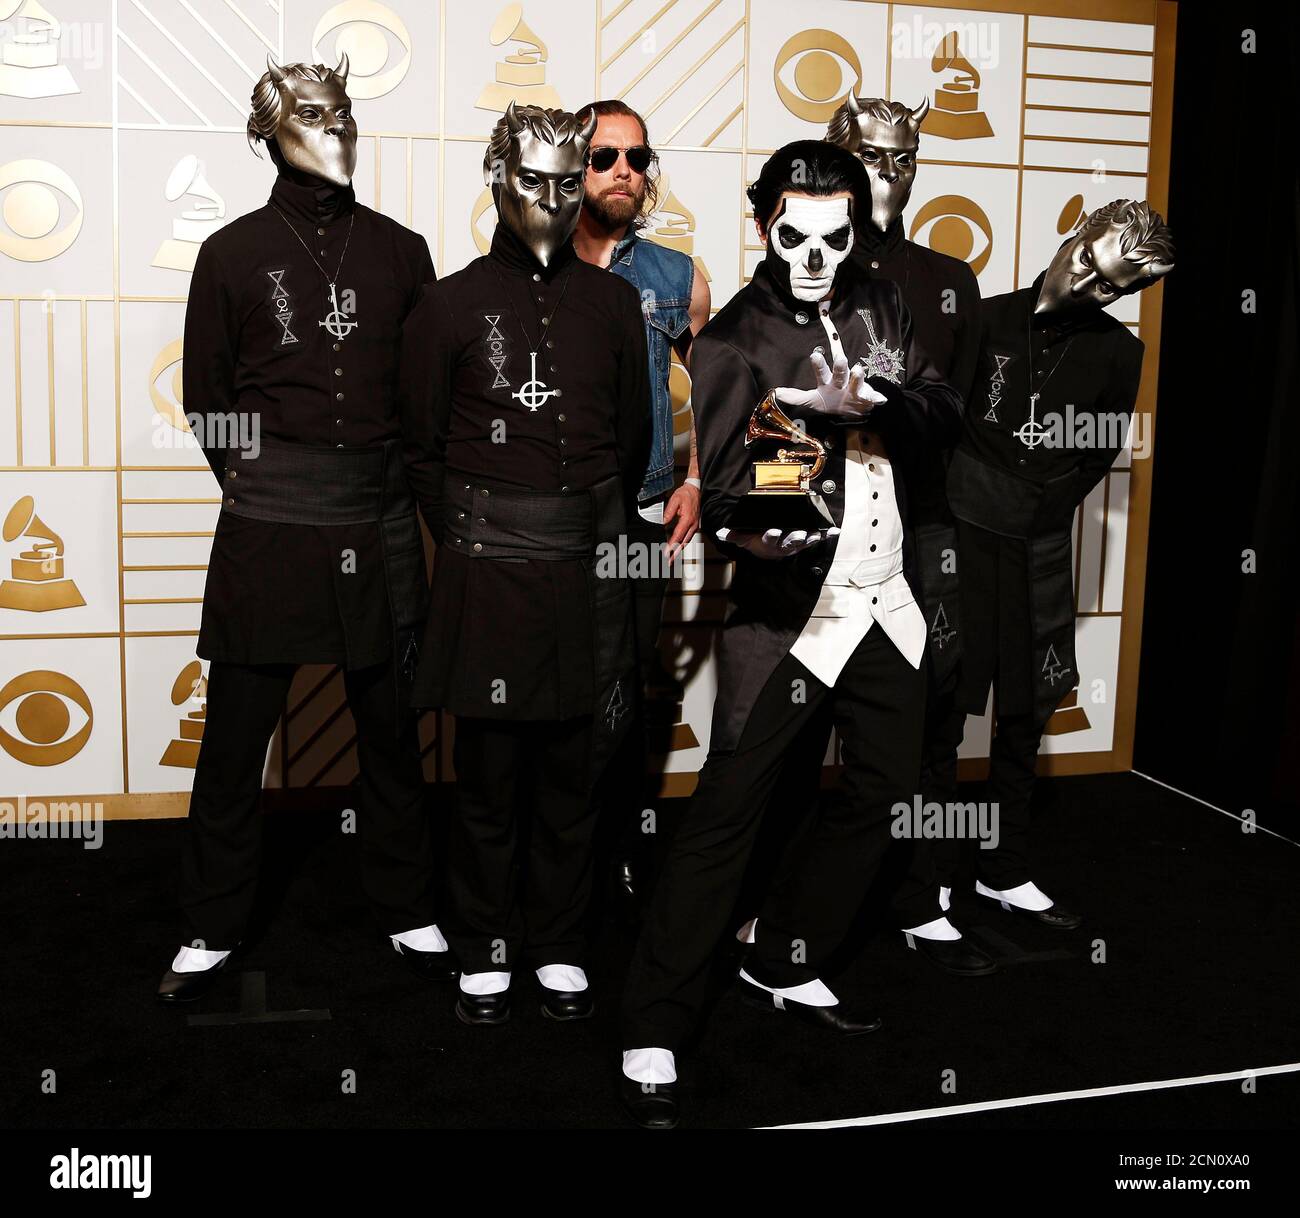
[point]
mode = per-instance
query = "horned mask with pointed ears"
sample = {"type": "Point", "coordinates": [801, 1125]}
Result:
{"type": "Point", "coordinates": [305, 112]}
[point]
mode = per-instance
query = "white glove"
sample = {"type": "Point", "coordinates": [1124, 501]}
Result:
{"type": "Point", "coordinates": [841, 390]}
{"type": "Point", "coordinates": [774, 544]}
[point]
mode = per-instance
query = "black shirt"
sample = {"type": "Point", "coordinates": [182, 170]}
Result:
{"type": "Point", "coordinates": [940, 293]}
{"type": "Point", "coordinates": [1085, 369]}
{"type": "Point", "coordinates": [254, 346]}
{"type": "Point", "coordinates": [466, 355]}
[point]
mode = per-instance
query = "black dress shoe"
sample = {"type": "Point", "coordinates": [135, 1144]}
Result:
{"type": "Point", "coordinates": [565, 1005]}
{"type": "Point", "coordinates": [650, 1105]}
{"type": "Point", "coordinates": [1053, 916]}
{"type": "Point", "coordinates": [188, 987]}
{"type": "Point", "coordinates": [831, 1019]}
{"type": "Point", "coordinates": [432, 966]}
{"type": "Point", "coordinates": [484, 1010]}
{"type": "Point", "coordinates": [958, 956]}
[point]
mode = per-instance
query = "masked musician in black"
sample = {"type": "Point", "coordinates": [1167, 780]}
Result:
{"type": "Point", "coordinates": [943, 298]}
{"type": "Point", "coordinates": [819, 614]}
{"type": "Point", "coordinates": [291, 340]}
{"type": "Point", "coordinates": [524, 389]}
{"type": "Point", "coordinates": [1054, 393]}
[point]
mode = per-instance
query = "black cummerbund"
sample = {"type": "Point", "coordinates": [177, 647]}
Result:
{"type": "Point", "coordinates": [483, 519]}
{"type": "Point", "coordinates": [298, 484]}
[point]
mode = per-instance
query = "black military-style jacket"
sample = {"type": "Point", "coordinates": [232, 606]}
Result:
{"type": "Point", "coordinates": [760, 340]}
{"type": "Point", "coordinates": [1017, 572]}
{"type": "Point", "coordinates": [256, 348]}
{"type": "Point", "coordinates": [943, 298]}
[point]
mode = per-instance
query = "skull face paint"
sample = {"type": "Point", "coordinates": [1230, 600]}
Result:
{"type": "Point", "coordinates": [806, 242]}
{"type": "Point", "coordinates": [316, 132]}
{"type": "Point", "coordinates": [538, 185]}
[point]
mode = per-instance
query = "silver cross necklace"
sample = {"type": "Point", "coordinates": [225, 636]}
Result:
{"type": "Point", "coordinates": [336, 321]}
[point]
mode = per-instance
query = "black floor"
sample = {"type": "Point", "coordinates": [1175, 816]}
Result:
{"type": "Point", "coordinates": [1196, 919]}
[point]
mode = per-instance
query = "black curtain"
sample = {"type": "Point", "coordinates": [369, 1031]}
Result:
{"type": "Point", "coordinates": [1219, 694]}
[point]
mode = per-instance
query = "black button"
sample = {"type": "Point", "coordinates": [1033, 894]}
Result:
{"type": "Point", "coordinates": [338, 346]}
{"type": "Point", "coordinates": [874, 599]}
{"type": "Point", "coordinates": [320, 232]}
{"type": "Point", "coordinates": [563, 440]}
{"type": "Point", "coordinates": [875, 494]}
{"type": "Point", "coordinates": [874, 523]}
{"type": "Point", "coordinates": [338, 422]}
{"type": "Point", "coordinates": [564, 488]}
{"type": "Point", "coordinates": [818, 571]}
{"type": "Point", "coordinates": [552, 367]}
{"type": "Point", "coordinates": [561, 418]}
{"type": "Point", "coordinates": [873, 549]}
{"type": "Point", "coordinates": [338, 397]}
{"type": "Point", "coordinates": [536, 277]}
{"type": "Point", "coordinates": [549, 343]}
{"type": "Point", "coordinates": [482, 520]}
{"type": "Point", "coordinates": [1020, 461]}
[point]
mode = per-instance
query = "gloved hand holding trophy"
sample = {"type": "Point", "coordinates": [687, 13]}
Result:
{"type": "Point", "coordinates": [784, 514]}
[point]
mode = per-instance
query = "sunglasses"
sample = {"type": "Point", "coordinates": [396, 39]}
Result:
{"type": "Point", "coordinates": [638, 158]}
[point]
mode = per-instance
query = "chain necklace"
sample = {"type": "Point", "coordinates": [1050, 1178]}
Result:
{"type": "Point", "coordinates": [1031, 433]}
{"type": "Point", "coordinates": [335, 321]}
{"type": "Point", "coordinates": [534, 393]}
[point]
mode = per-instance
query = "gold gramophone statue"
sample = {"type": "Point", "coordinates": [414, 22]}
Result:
{"type": "Point", "coordinates": [38, 582]}
{"type": "Point", "coordinates": [956, 113]}
{"type": "Point", "coordinates": [520, 77]}
{"type": "Point", "coordinates": [190, 686]}
{"type": "Point", "coordinates": [782, 497]}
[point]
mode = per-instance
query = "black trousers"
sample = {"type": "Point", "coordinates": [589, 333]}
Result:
{"type": "Point", "coordinates": [219, 867]}
{"type": "Point", "coordinates": [997, 645]}
{"type": "Point", "coordinates": [627, 789]}
{"type": "Point", "coordinates": [521, 843]}
{"type": "Point", "coordinates": [1013, 762]}
{"type": "Point", "coordinates": [877, 706]}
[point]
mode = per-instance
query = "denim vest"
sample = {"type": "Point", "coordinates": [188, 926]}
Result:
{"type": "Point", "coordinates": [663, 277]}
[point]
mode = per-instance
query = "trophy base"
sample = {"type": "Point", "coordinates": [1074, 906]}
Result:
{"type": "Point", "coordinates": [785, 510]}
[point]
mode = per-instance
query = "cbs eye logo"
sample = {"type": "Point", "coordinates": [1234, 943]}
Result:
{"type": "Point", "coordinates": [362, 30]}
{"type": "Point", "coordinates": [42, 718]}
{"type": "Point", "coordinates": [31, 208]}
{"type": "Point", "coordinates": [954, 221]}
{"type": "Point", "coordinates": [171, 409]}
{"type": "Point", "coordinates": [825, 68]}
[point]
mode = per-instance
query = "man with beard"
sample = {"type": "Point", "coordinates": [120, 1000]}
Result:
{"type": "Point", "coordinates": [1049, 352]}
{"type": "Point", "coordinates": [524, 393]}
{"type": "Point", "coordinates": [819, 613]}
{"type": "Point", "coordinates": [943, 298]}
{"type": "Point", "coordinates": [293, 318]}
{"type": "Point", "coordinates": [621, 193]}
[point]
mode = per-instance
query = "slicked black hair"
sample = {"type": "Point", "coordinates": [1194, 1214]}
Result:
{"type": "Point", "coordinates": [812, 167]}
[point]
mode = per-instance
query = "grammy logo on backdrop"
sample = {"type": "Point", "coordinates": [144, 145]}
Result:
{"type": "Point", "coordinates": [521, 76]}
{"type": "Point", "coordinates": [29, 60]}
{"type": "Point", "coordinates": [674, 228]}
{"type": "Point", "coordinates": [38, 582]}
{"type": "Point", "coordinates": [195, 226]}
{"type": "Point", "coordinates": [1068, 717]}
{"type": "Point", "coordinates": [955, 114]}
{"type": "Point", "coordinates": [190, 686]}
